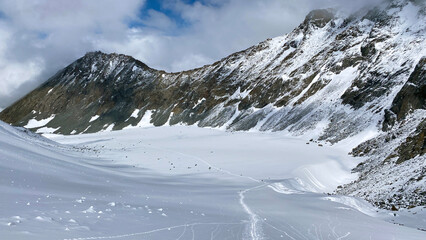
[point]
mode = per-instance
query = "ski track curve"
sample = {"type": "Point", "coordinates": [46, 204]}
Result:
{"type": "Point", "coordinates": [254, 231]}
{"type": "Point", "coordinates": [152, 231]}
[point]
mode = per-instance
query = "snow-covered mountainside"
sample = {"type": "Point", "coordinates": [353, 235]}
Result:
{"type": "Point", "coordinates": [183, 183]}
{"type": "Point", "coordinates": [333, 77]}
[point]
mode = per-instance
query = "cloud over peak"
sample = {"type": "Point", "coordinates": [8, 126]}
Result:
{"type": "Point", "coordinates": [38, 38]}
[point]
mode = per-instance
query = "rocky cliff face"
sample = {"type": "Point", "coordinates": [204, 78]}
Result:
{"type": "Point", "coordinates": [334, 77]}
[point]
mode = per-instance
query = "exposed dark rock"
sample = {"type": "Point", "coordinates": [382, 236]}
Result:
{"type": "Point", "coordinates": [368, 49]}
{"type": "Point", "coordinates": [389, 120]}
{"type": "Point", "coordinates": [414, 145]}
{"type": "Point", "coordinates": [319, 17]}
{"type": "Point", "coordinates": [413, 95]}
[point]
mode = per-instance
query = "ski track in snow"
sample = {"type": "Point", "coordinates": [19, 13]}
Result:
{"type": "Point", "coordinates": [254, 223]}
{"type": "Point", "coordinates": [282, 231]}
{"type": "Point", "coordinates": [240, 214]}
{"type": "Point", "coordinates": [205, 162]}
{"type": "Point", "coordinates": [155, 231]}
{"type": "Point", "coordinates": [254, 231]}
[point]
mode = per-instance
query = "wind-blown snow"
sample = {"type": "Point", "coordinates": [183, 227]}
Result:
{"type": "Point", "coordinates": [178, 183]}
{"type": "Point", "coordinates": [135, 113]}
{"type": "Point", "coordinates": [192, 183]}
{"type": "Point", "coordinates": [239, 95]}
{"type": "Point", "coordinates": [94, 118]}
{"type": "Point", "coordinates": [33, 123]}
{"type": "Point", "coordinates": [46, 130]}
{"type": "Point", "coordinates": [109, 128]}
{"type": "Point", "coordinates": [146, 120]}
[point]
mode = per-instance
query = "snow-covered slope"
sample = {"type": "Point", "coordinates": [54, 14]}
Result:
{"type": "Point", "coordinates": [182, 183]}
{"type": "Point", "coordinates": [333, 73]}
{"type": "Point", "coordinates": [334, 77]}
{"type": "Point", "coordinates": [393, 177]}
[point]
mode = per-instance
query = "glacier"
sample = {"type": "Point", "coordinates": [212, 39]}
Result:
{"type": "Point", "coordinates": [184, 182]}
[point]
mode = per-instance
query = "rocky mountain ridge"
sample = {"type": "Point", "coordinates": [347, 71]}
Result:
{"type": "Point", "coordinates": [333, 77]}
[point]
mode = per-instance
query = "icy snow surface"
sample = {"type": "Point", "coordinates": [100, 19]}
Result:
{"type": "Point", "coordinates": [33, 123]}
{"type": "Point", "coordinates": [135, 113]}
{"type": "Point", "coordinates": [180, 183]}
{"type": "Point", "coordinates": [94, 118]}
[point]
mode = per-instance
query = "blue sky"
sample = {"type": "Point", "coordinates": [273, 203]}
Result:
{"type": "Point", "coordinates": [159, 6]}
{"type": "Point", "coordinates": [168, 8]}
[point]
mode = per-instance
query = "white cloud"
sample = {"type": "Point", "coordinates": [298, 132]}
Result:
{"type": "Point", "coordinates": [158, 20]}
{"type": "Point", "coordinates": [39, 37]}
{"type": "Point", "coordinates": [13, 73]}
{"type": "Point", "coordinates": [214, 30]}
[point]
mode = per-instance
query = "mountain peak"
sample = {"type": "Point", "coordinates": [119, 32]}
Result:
{"type": "Point", "coordinates": [320, 17]}
{"type": "Point", "coordinates": [101, 56]}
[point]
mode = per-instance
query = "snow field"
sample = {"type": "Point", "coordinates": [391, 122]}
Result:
{"type": "Point", "coordinates": [179, 183]}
